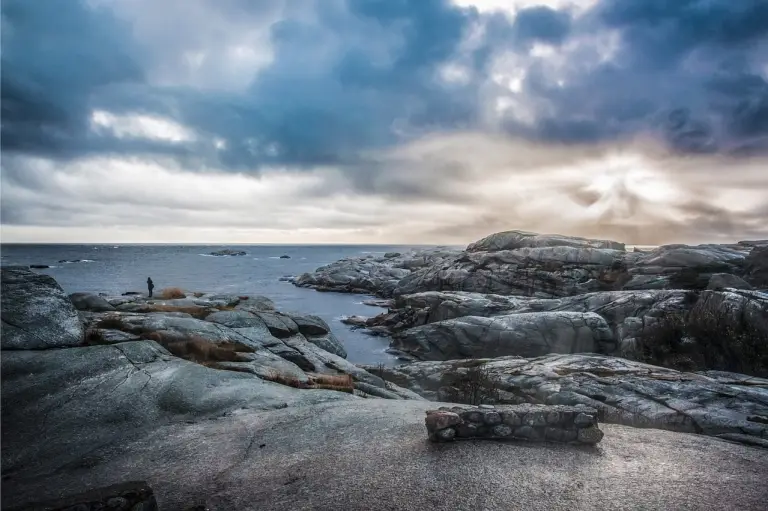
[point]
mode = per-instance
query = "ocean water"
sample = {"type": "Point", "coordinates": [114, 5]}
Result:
{"type": "Point", "coordinates": [115, 269]}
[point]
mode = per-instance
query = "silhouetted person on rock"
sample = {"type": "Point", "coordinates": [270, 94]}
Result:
{"type": "Point", "coordinates": [150, 286]}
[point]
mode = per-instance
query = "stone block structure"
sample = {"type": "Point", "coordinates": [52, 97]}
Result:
{"type": "Point", "coordinates": [536, 423]}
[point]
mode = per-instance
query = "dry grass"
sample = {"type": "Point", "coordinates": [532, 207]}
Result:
{"type": "Point", "coordinates": [172, 293]}
{"type": "Point", "coordinates": [338, 383]}
{"type": "Point", "coordinates": [200, 350]}
{"type": "Point", "coordinates": [276, 377]}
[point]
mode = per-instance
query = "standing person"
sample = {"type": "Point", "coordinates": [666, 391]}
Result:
{"type": "Point", "coordinates": [150, 286]}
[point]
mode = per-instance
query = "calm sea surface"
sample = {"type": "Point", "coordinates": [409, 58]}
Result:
{"type": "Point", "coordinates": [115, 269]}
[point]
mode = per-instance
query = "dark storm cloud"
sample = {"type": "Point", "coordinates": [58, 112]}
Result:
{"type": "Point", "coordinates": [355, 75]}
{"type": "Point", "coordinates": [331, 89]}
{"type": "Point", "coordinates": [687, 71]}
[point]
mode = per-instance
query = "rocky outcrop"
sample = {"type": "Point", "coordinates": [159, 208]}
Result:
{"type": "Point", "coordinates": [372, 275]}
{"type": "Point", "coordinates": [228, 253]}
{"type": "Point", "coordinates": [725, 405]}
{"type": "Point", "coordinates": [510, 240]}
{"type": "Point", "coordinates": [543, 266]}
{"type": "Point", "coordinates": [351, 454]}
{"type": "Point", "coordinates": [36, 313]}
{"type": "Point", "coordinates": [535, 423]}
{"type": "Point", "coordinates": [524, 334]}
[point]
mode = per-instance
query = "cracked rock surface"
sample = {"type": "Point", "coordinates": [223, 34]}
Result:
{"type": "Point", "coordinates": [715, 403]}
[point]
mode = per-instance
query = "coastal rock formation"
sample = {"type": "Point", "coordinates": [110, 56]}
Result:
{"type": "Point", "coordinates": [535, 423]}
{"type": "Point", "coordinates": [544, 266]}
{"type": "Point", "coordinates": [725, 405]}
{"type": "Point", "coordinates": [372, 275]}
{"type": "Point", "coordinates": [36, 313]}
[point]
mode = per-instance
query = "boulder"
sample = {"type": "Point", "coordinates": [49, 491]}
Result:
{"type": "Point", "coordinates": [329, 343]}
{"type": "Point", "coordinates": [36, 313]}
{"type": "Point", "coordinates": [309, 324]}
{"type": "Point", "coordinates": [90, 302]}
{"type": "Point", "coordinates": [525, 334]}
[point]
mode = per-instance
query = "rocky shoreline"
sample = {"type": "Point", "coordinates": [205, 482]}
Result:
{"type": "Point", "coordinates": [210, 401]}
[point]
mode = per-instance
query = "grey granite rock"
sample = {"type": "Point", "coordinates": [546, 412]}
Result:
{"type": "Point", "coordinates": [622, 391]}
{"type": "Point", "coordinates": [526, 334]}
{"type": "Point", "coordinates": [36, 313]}
{"type": "Point", "coordinates": [90, 302]}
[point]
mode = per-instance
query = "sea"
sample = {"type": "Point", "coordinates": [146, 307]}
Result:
{"type": "Point", "coordinates": [115, 269]}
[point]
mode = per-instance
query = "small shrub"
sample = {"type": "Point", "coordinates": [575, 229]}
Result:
{"type": "Point", "coordinates": [172, 293]}
{"type": "Point", "coordinates": [276, 377]}
{"type": "Point", "coordinates": [471, 383]}
{"type": "Point", "coordinates": [705, 338]}
{"type": "Point", "coordinates": [94, 337]}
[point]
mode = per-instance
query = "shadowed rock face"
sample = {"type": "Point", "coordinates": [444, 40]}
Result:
{"type": "Point", "coordinates": [36, 313]}
{"type": "Point", "coordinates": [727, 405]}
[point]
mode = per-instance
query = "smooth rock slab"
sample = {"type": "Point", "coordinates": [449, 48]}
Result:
{"type": "Point", "coordinates": [567, 424]}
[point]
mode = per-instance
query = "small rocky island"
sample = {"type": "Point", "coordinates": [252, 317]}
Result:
{"type": "Point", "coordinates": [192, 400]}
{"type": "Point", "coordinates": [228, 253]}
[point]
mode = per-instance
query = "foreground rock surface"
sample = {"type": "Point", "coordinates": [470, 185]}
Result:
{"type": "Point", "coordinates": [358, 455]}
{"type": "Point", "coordinates": [725, 405]}
{"type": "Point", "coordinates": [129, 409]}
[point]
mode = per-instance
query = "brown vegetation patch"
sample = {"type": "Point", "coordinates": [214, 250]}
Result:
{"type": "Point", "coordinates": [172, 293]}
{"type": "Point", "coordinates": [195, 311]}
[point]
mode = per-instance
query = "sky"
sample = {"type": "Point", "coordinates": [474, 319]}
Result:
{"type": "Point", "coordinates": [383, 121]}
